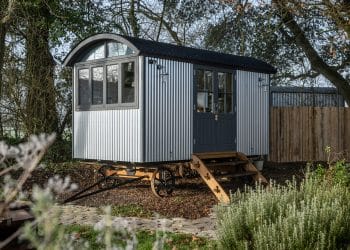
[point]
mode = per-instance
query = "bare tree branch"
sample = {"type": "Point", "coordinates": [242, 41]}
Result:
{"type": "Point", "coordinates": [316, 62]}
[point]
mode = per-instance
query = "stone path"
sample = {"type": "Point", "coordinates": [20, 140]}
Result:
{"type": "Point", "coordinates": [202, 227]}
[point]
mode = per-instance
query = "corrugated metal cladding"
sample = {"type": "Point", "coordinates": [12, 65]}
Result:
{"type": "Point", "coordinates": [168, 119]}
{"type": "Point", "coordinates": [299, 98]}
{"type": "Point", "coordinates": [252, 113]}
{"type": "Point", "coordinates": [113, 135]}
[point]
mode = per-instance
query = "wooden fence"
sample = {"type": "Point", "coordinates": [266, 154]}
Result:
{"type": "Point", "coordinates": [303, 133]}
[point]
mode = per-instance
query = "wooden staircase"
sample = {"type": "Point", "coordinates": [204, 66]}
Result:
{"type": "Point", "coordinates": [214, 166]}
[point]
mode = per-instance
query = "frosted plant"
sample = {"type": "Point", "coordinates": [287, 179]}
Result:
{"type": "Point", "coordinates": [314, 214]}
{"type": "Point", "coordinates": [50, 234]}
{"type": "Point", "coordinates": [160, 234]}
{"type": "Point", "coordinates": [60, 185]}
{"type": "Point", "coordinates": [46, 231]}
{"type": "Point", "coordinates": [26, 156]}
{"type": "Point", "coordinates": [110, 233]}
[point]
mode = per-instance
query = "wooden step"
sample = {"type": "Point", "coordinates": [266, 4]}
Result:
{"type": "Point", "coordinates": [216, 155]}
{"type": "Point", "coordinates": [226, 163]}
{"type": "Point", "coordinates": [236, 175]}
{"type": "Point", "coordinates": [206, 164]}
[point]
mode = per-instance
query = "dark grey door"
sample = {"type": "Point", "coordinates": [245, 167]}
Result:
{"type": "Point", "coordinates": [214, 118]}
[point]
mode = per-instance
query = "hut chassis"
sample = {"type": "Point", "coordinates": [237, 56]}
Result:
{"type": "Point", "coordinates": [213, 168]}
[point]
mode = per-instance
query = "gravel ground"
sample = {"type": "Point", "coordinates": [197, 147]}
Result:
{"type": "Point", "coordinates": [191, 199]}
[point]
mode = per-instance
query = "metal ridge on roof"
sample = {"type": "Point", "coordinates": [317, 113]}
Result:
{"type": "Point", "coordinates": [171, 51]}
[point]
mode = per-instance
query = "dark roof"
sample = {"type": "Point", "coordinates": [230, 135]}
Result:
{"type": "Point", "coordinates": [165, 50]}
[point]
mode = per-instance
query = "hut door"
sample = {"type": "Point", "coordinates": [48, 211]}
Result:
{"type": "Point", "coordinates": [214, 126]}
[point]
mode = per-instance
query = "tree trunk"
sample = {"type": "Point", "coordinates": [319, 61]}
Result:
{"type": "Point", "coordinates": [133, 20]}
{"type": "Point", "coordinates": [3, 30]}
{"type": "Point", "coordinates": [317, 63]}
{"type": "Point", "coordinates": [41, 113]}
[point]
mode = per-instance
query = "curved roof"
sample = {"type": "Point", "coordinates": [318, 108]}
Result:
{"type": "Point", "coordinates": [165, 50]}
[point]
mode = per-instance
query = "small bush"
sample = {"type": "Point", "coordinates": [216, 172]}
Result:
{"type": "Point", "coordinates": [60, 151]}
{"type": "Point", "coordinates": [312, 215]}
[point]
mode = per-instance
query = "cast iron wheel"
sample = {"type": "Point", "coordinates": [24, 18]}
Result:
{"type": "Point", "coordinates": [162, 182]}
{"type": "Point", "coordinates": [110, 181]}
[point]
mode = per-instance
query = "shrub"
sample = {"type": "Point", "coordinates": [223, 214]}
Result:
{"type": "Point", "coordinates": [312, 215]}
{"type": "Point", "coordinates": [60, 151]}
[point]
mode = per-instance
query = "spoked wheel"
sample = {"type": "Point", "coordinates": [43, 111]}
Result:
{"type": "Point", "coordinates": [110, 181]}
{"type": "Point", "coordinates": [163, 182]}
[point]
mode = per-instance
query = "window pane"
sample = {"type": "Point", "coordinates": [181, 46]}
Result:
{"type": "Point", "coordinates": [112, 83]}
{"type": "Point", "coordinates": [97, 85]}
{"type": "Point", "coordinates": [228, 103]}
{"type": "Point", "coordinates": [83, 87]}
{"type": "Point", "coordinates": [208, 76]}
{"type": "Point", "coordinates": [118, 49]}
{"type": "Point", "coordinates": [96, 52]}
{"type": "Point", "coordinates": [222, 82]}
{"type": "Point", "coordinates": [225, 92]}
{"type": "Point", "coordinates": [128, 82]}
{"type": "Point", "coordinates": [204, 102]}
{"type": "Point", "coordinates": [210, 102]}
{"type": "Point", "coordinates": [221, 102]}
{"type": "Point", "coordinates": [204, 91]}
{"type": "Point", "coordinates": [228, 83]}
{"type": "Point", "coordinates": [200, 79]}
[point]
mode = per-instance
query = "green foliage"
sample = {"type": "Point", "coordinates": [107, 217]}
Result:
{"type": "Point", "coordinates": [337, 173]}
{"type": "Point", "coordinates": [131, 210]}
{"type": "Point", "coordinates": [314, 215]}
{"type": "Point", "coordinates": [145, 239]}
{"type": "Point", "coordinates": [60, 151]}
{"type": "Point", "coordinates": [173, 241]}
{"type": "Point", "coordinates": [11, 140]}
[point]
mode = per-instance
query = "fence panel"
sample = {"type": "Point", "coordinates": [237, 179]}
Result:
{"type": "Point", "coordinates": [303, 133]}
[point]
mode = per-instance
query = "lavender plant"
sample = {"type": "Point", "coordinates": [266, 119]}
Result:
{"type": "Point", "coordinates": [25, 156]}
{"type": "Point", "coordinates": [312, 215]}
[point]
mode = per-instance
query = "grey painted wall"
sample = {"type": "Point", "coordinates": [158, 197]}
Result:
{"type": "Point", "coordinates": [252, 113]}
{"type": "Point", "coordinates": [113, 135]}
{"type": "Point", "coordinates": [168, 117]}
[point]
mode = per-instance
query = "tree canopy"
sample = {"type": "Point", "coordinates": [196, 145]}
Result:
{"type": "Point", "coordinates": [307, 41]}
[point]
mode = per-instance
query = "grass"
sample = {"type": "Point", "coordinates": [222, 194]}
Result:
{"type": "Point", "coordinates": [129, 210]}
{"type": "Point", "coordinates": [145, 239]}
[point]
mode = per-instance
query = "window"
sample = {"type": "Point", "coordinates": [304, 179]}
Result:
{"type": "Point", "coordinates": [112, 83]}
{"type": "Point", "coordinates": [214, 90]}
{"type": "Point", "coordinates": [128, 82]}
{"type": "Point", "coordinates": [107, 49]}
{"type": "Point", "coordinates": [118, 49]}
{"type": "Point", "coordinates": [204, 90]}
{"type": "Point", "coordinates": [97, 85]}
{"type": "Point", "coordinates": [97, 52]}
{"type": "Point", "coordinates": [224, 92]}
{"type": "Point", "coordinates": [83, 87]}
{"type": "Point", "coordinates": [107, 85]}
